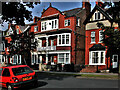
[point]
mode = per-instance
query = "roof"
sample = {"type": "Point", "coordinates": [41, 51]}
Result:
{"type": "Point", "coordinates": [72, 12]}
{"type": "Point", "coordinates": [97, 47]}
{"type": "Point", "coordinates": [101, 10]}
{"type": "Point", "coordinates": [14, 66]}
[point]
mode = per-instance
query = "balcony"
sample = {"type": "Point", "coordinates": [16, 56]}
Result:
{"type": "Point", "coordinates": [49, 48]}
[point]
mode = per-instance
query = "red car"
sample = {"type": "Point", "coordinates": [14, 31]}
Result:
{"type": "Point", "coordinates": [12, 77]}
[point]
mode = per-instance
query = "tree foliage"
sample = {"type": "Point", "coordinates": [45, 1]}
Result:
{"type": "Point", "coordinates": [17, 12]}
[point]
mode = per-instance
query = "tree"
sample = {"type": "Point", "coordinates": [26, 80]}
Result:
{"type": "Point", "coordinates": [22, 44]}
{"type": "Point", "coordinates": [111, 36]}
{"type": "Point", "coordinates": [17, 12]}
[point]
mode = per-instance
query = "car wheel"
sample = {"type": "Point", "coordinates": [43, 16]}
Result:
{"type": "Point", "coordinates": [9, 87]}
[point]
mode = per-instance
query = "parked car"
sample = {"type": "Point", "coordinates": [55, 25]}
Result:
{"type": "Point", "coordinates": [17, 76]}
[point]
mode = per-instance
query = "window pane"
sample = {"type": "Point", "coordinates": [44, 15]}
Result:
{"type": "Point", "coordinates": [42, 26]}
{"type": "Point", "coordinates": [45, 25]}
{"type": "Point", "coordinates": [67, 57]}
{"type": "Point", "coordinates": [98, 15]}
{"type": "Point", "coordinates": [52, 24]}
{"type": "Point", "coordinates": [55, 23]}
{"type": "Point", "coordinates": [93, 57]}
{"type": "Point", "coordinates": [102, 57]}
{"type": "Point", "coordinates": [92, 36]}
{"type": "Point", "coordinates": [68, 22]}
{"type": "Point", "coordinates": [96, 60]}
{"type": "Point", "coordinates": [67, 39]}
{"type": "Point", "coordinates": [32, 58]}
{"type": "Point", "coordinates": [63, 39]}
{"type": "Point", "coordinates": [61, 58]}
{"type": "Point", "coordinates": [59, 39]}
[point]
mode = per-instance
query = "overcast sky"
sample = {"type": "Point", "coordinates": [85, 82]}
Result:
{"type": "Point", "coordinates": [62, 6]}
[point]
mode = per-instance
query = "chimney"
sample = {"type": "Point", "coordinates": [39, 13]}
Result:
{"type": "Point", "coordinates": [86, 5]}
{"type": "Point", "coordinates": [100, 3]}
{"type": "Point", "coordinates": [43, 11]}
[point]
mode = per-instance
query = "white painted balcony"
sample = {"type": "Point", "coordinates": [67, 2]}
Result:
{"type": "Point", "coordinates": [49, 48]}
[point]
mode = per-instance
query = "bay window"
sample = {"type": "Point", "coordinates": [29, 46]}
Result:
{"type": "Point", "coordinates": [64, 58]}
{"type": "Point", "coordinates": [97, 58]}
{"type": "Point", "coordinates": [64, 39]}
{"type": "Point", "coordinates": [49, 24]}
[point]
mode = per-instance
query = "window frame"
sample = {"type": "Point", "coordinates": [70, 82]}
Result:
{"type": "Point", "coordinates": [100, 39]}
{"type": "Point", "coordinates": [67, 22]}
{"type": "Point", "coordinates": [97, 15]}
{"type": "Point", "coordinates": [60, 36]}
{"type": "Point", "coordinates": [91, 36]}
{"type": "Point", "coordinates": [35, 28]}
{"type": "Point", "coordinates": [99, 58]}
{"type": "Point", "coordinates": [52, 24]}
{"type": "Point", "coordinates": [64, 57]}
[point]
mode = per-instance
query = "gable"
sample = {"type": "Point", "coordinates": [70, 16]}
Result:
{"type": "Point", "coordinates": [50, 11]}
{"type": "Point", "coordinates": [97, 15]}
{"type": "Point", "coordinates": [103, 15]}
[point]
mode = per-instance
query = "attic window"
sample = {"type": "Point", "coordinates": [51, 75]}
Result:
{"type": "Point", "coordinates": [97, 15]}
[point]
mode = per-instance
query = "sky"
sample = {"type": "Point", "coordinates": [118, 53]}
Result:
{"type": "Point", "coordinates": [62, 6]}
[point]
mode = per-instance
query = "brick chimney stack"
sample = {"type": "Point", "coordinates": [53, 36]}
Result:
{"type": "Point", "coordinates": [100, 3]}
{"type": "Point", "coordinates": [86, 5]}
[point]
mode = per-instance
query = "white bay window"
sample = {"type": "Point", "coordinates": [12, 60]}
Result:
{"type": "Point", "coordinates": [49, 25]}
{"type": "Point", "coordinates": [64, 39]}
{"type": "Point", "coordinates": [64, 58]}
{"type": "Point", "coordinates": [97, 58]}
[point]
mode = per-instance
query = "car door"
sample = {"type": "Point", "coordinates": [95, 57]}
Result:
{"type": "Point", "coordinates": [5, 77]}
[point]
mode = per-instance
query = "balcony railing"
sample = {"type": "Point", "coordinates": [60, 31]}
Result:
{"type": "Point", "coordinates": [49, 48]}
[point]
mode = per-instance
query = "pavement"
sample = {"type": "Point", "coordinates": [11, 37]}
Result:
{"type": "Point", "coordinates": [78, 73]}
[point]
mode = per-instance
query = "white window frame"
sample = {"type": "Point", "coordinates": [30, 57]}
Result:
{"type": "Point", "coordinates": [60, 35]}
{"type": "Point", "coordinates": [2, 46]}
{"type": "Point", "coordinates": [100, 39]}
{"type": "Point", "coordinates": [48, 26]}
{"type": "Point", "coordinates": [93, 36]}
{"type": "Point", "coordinates": [34, 61]}
{"type": "Point", "coordinates": [1, 56]}
{"type": "Point", "coordinates": [99, 58]}
{"type": "Point", "coordinates": [78, 22]}
{"type": "Point", "coordinates": [96, 13]}
{"type": "Point", "coordinates": [66, 22]}
{"type": "Point", "coordinates": [35, 28]}
{"type": "Point", "coordinates": [64, 62]}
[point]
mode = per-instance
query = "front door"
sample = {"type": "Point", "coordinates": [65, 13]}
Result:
{"type": "Point", "coordinates": [115, 61]}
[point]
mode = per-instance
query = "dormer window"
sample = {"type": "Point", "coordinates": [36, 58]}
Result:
{"type": "Point", "coordinates": [97, 15]}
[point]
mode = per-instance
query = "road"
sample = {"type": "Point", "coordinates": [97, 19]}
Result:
{"type": "Point", "coordinates": [58, 81]}
{"type": "Point", "coordinates": [48, 81]}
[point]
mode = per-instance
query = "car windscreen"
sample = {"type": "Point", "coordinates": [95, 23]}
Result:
{"type": "Point", "coordinates": [21, 70]}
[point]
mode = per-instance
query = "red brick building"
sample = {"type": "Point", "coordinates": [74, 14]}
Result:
{"type": "Point", "coordinates": [60, 36]}
{"type": "Point", "coordinates": [95, 52]}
